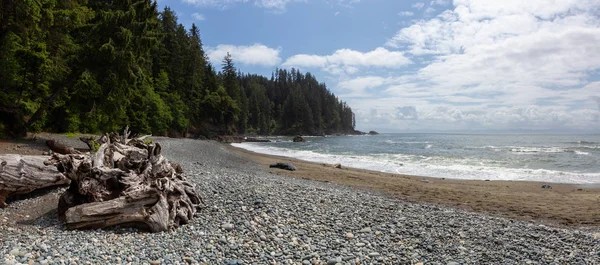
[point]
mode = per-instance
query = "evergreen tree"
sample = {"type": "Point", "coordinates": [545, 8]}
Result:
{"type": "Point", "coordinates": [94, 66]}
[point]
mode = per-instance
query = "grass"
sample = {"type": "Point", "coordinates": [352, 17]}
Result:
{"type": "Point", "coordinates": [71, 134]}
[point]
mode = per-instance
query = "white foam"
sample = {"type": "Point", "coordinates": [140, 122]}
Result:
{"type": "Point", "coordinates": [430, 166]}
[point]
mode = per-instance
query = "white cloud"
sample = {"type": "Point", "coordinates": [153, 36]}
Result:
{"type": "Point", "coordinates": [256, 54]}
{"type": "Point", "coordinates": [418, 5]}
{"type": "Point", "coordinates": [429, 10]}
{"type": "Point", "coordinates": [406, 13]}
{"type": "Point", "coordinates": [198, 17]}
{"type": "Point", "coordinates": [491, 65]}
{"type": "Point", "coordinates": [336, 13]}
{"type": "Point", "coordinates": [348, 61]}
{"type": "Point", "coordinates": [439, 2]}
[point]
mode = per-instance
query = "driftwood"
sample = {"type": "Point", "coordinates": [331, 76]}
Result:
{"type": "Point", "coordinates": [127, 181]}
{"type": "Point", "coordinates": [21, 174]}
{"type": "Point", "coordinates": [61, 148]}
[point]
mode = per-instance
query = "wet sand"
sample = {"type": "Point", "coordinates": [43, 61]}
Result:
{"type": "Point", "coordinates": [564, 204]}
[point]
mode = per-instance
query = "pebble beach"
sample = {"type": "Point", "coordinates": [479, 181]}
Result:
{"type": "Point", "coordinates": [256, 217]}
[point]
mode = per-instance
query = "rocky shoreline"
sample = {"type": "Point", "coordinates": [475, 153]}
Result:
{"type": "Point", "coordinates": [255, 217]}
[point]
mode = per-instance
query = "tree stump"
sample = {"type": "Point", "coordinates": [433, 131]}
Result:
{"type": "Point", "coordinates": [21, 174]}
{"type": "Point", "coordinates": [125, 182]}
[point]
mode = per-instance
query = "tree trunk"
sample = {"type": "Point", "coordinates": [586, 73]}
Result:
{"type": "Point", "coordinates": [125, 182]}
{"type": "Point", "coordinates": [24, 174]}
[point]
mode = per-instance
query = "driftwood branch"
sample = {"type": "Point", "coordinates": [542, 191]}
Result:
{"type": "Point", "coordinates": [24, 174]}
{"type": "Point", "coordinates": [60, 148]}
{"type": "Point", "coordinates": [125, 182]}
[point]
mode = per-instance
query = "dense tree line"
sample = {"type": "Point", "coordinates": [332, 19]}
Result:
{"type": "Point", "coordinates": [93, 66]}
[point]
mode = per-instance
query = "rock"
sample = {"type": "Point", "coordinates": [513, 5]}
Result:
{"type": "Point", "coordinates": [373, 133]}
{"type": "Point", "coordinates": [546, 186]}
{"type": "Point", "coordinates": [426, 180]}
{"type": "Point", "coordinates": [298, 138]}
{"type": "Point", "coordinates": [14, 252]}
{"type": "Point", "coordinates": [228, 227]}
{"type": "Point", "coordinates": [377, 233]}
{"type": "Point", "coordinates": [374, 254]}
{"type": "Point", "coordinates": [286, 166]}
{"type": "Point", "coordinates": [155, 262]}
{"type": "Point", "coordinates": [452, 263]}
{"type": "Point", "coordinates": [349, 235]}
{"type": "Point", "coordinates": [365, 230]}
{"type": "Point", "coordinates": [338, 165]}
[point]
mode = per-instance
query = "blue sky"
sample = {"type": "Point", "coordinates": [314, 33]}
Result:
{"type": "Point", "coordinates": [423, 66]}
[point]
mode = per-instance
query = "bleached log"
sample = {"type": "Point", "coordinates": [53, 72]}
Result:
{"type": "Point", "coordinates": [21, 174]}
{"type": "Point", "coordinates": [125, 184]}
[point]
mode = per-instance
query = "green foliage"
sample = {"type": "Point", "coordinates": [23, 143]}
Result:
{"type": "Point", "coordinates": [94, 145]}
{"type": "Point", "coordinates": [71, 134]}
{"type": "Point", "coordinates": [94, 66]}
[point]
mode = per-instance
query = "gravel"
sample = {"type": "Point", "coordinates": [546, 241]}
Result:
{"type": "Point", "coordinates": [254, 217]}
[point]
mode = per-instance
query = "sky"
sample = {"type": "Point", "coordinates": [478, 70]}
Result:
{"type": "Point", "coordinates": [423, 66]}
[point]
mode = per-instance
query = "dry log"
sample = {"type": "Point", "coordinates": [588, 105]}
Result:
{"type": "Point", "coordinates": [125, 182]}
{"type": "Point", "coordinates": [61, 148]}
{"type": "Point", "coordinates": [21, 174]}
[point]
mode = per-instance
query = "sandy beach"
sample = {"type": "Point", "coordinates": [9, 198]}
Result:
{"type": "Point", "coordinates": [564, 204]}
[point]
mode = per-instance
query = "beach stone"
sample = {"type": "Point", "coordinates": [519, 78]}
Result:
{"type": "Point", "coordinates": [337, 165]}
{"type": "Point", "coordinates": [228, 227]}
{"type": "Point", "coordinates": [349, 235]}
{"type": "Point", "coordinates": [366, 230]}
{"type": "Point", "coordinates": [155, 262]}
{"type": "Point", "coordinates": [374, 254]}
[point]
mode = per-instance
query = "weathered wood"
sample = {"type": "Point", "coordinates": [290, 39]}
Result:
{"type": "Point", "coordinates": [61, 148]}
{"type": "Point", "coordinates": [125, 182]}
{"type": "Point", "coordinates": [20, 174]}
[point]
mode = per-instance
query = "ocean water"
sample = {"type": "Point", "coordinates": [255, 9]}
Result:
{"type": "Point", "coordinates": [527, 157]}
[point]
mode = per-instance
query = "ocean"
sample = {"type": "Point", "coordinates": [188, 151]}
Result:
{"type": "Point", "coordinates": [524, 157]}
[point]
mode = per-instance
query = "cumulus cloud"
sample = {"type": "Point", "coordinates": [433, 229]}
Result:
{"type": "Point", "coordinates": [418, 5]}
{"type": "Point", "coordinates": [493, 65]}
{"type": "Point", "coordinates": [406, 13]}
{"type": "Point", "coordinates": [198, 17]}
{"type": "Point", "coordinates": [349, 61]}
{"type": "Point", "coordinates": [256, 54]}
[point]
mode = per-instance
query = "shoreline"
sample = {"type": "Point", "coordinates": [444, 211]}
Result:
{"type": "Point", "coordinates": [564, 204]}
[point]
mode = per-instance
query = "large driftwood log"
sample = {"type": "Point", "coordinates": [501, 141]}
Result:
{"type": "Point", "coordinates": [20, 174]}
{"type": "Point", "coordinates": [127, 181]}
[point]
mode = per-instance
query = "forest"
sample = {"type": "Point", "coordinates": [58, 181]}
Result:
{"type": "Point", "coordinates": [95, 66]}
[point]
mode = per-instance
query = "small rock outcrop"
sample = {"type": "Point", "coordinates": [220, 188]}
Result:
{"type": "Point", "coordinates": [373, 133]}
{"type": "Point", "coordinates": [338, 165]}
{"type": "Point", "coordinates": [298, 138]}
{"type": "Point", "coordinates": [286, 166]}
{"type": "Point", "coordinates": [546, 186]}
